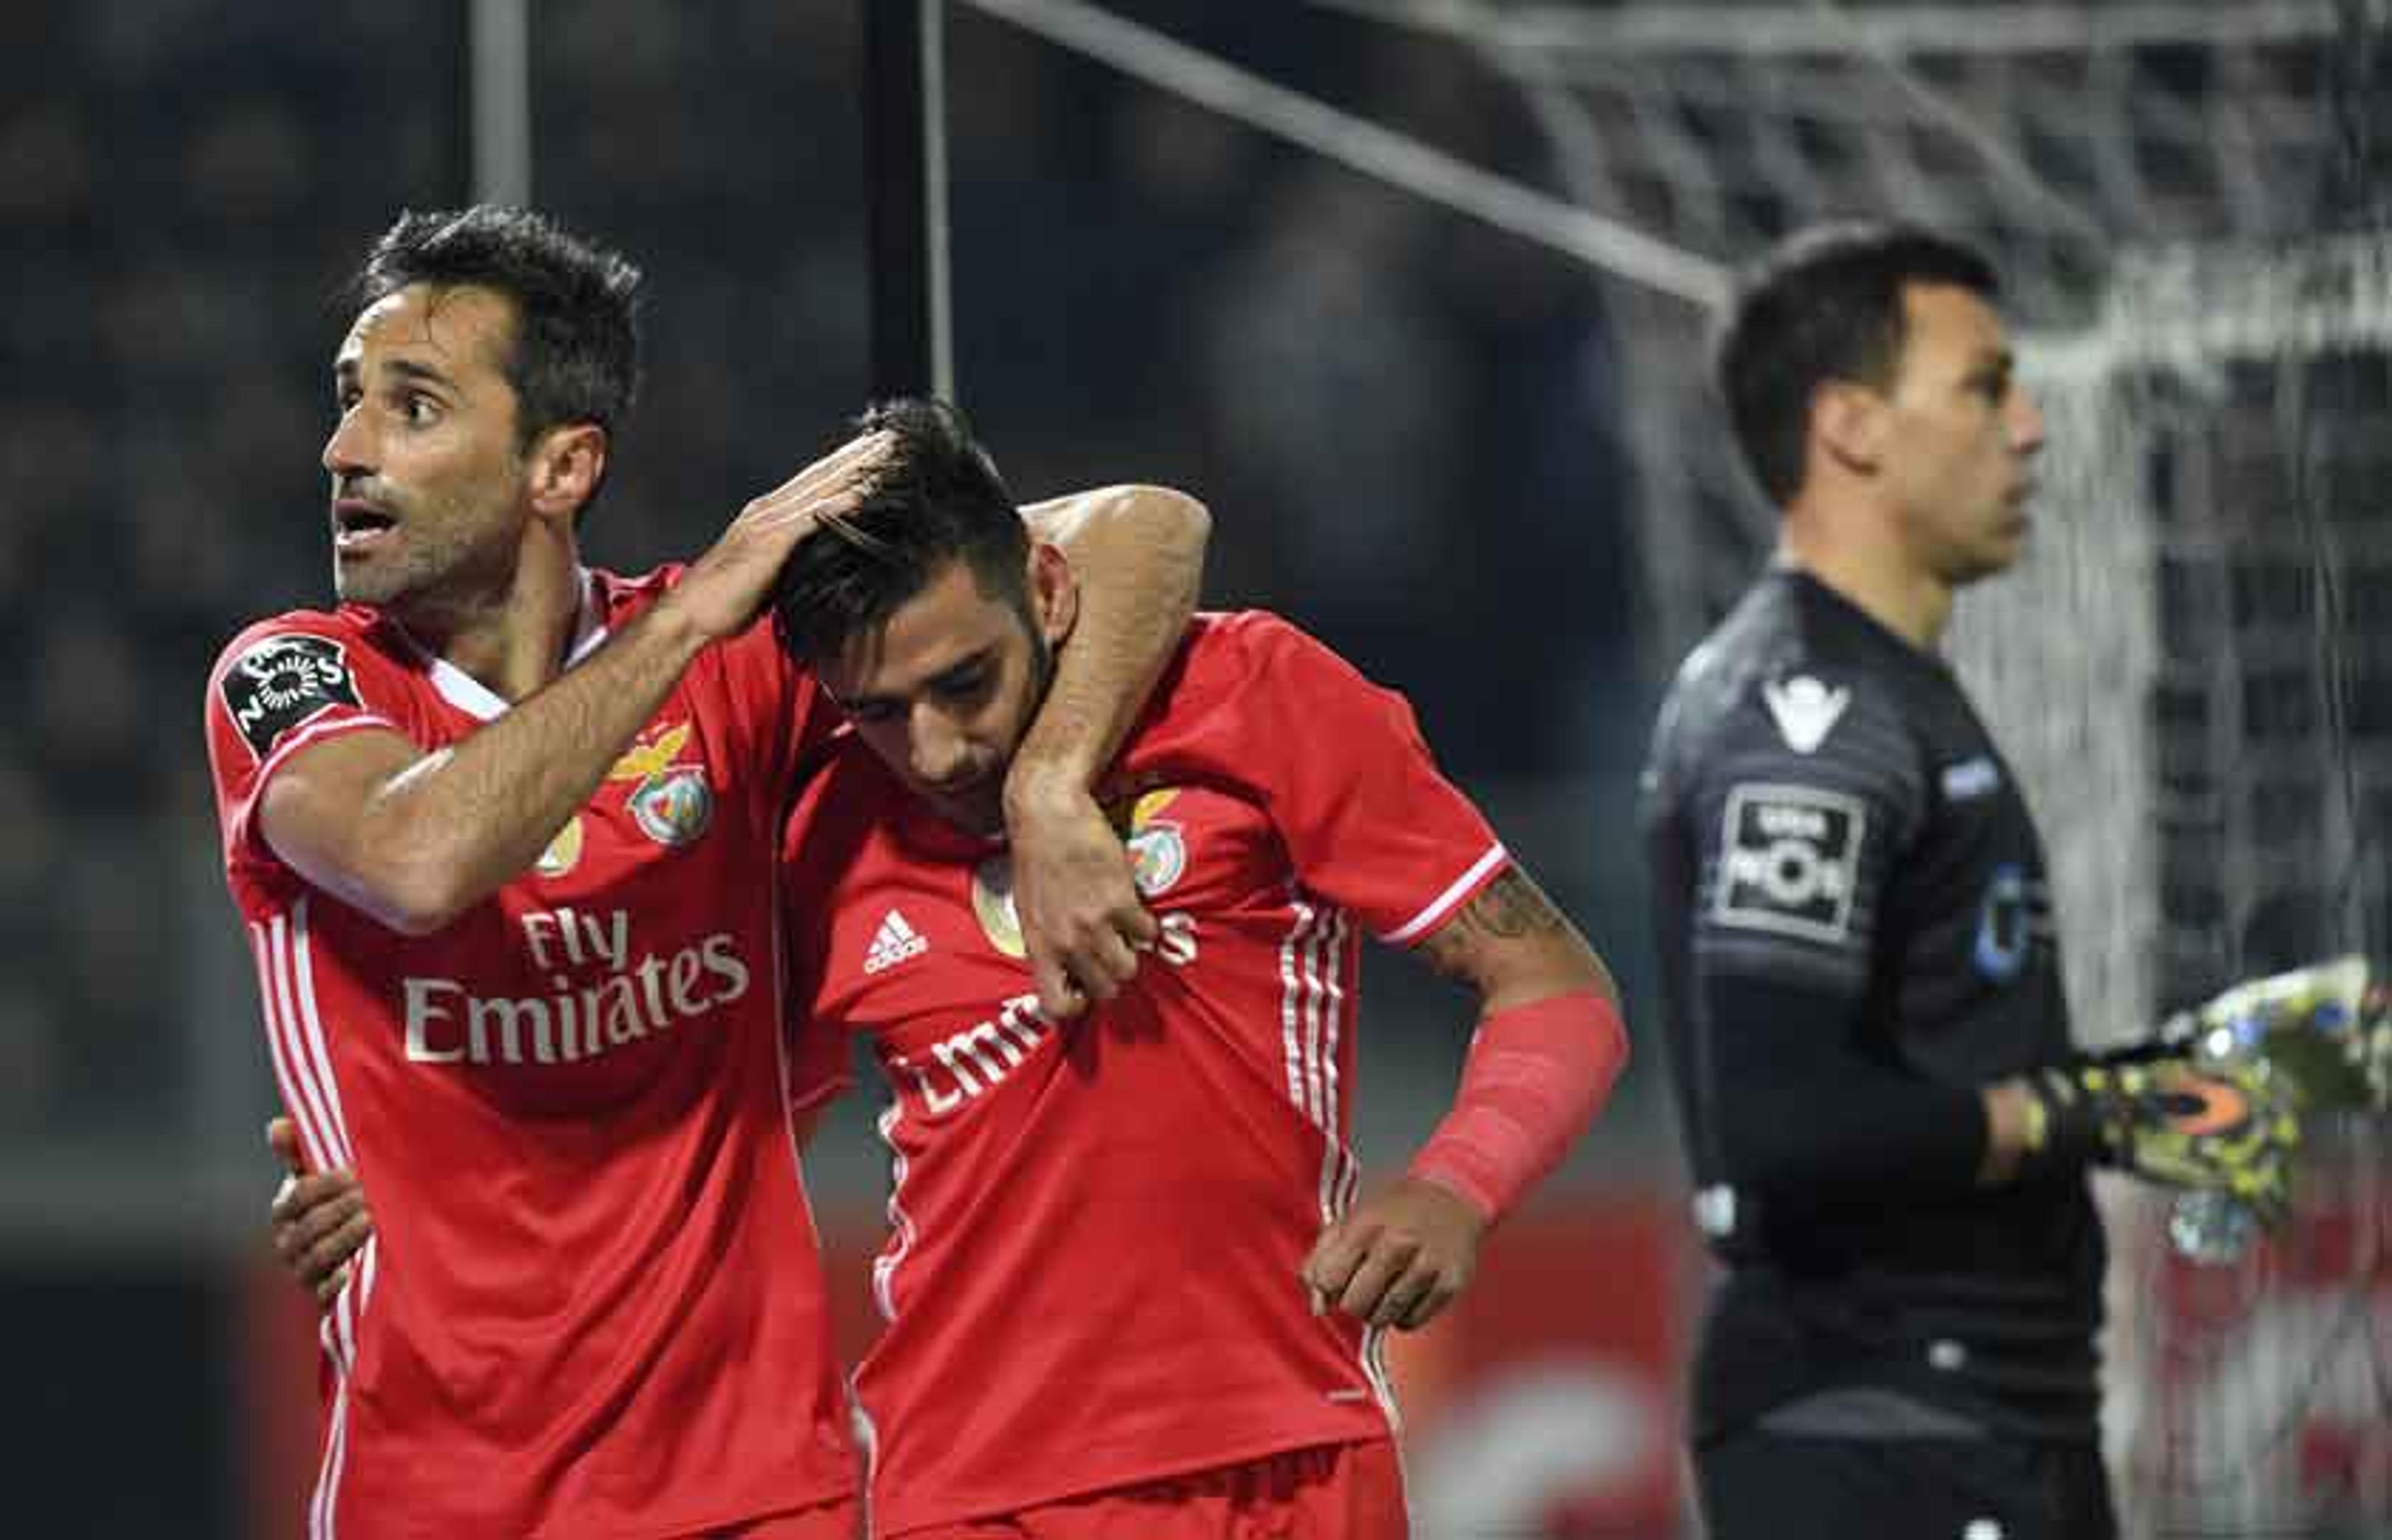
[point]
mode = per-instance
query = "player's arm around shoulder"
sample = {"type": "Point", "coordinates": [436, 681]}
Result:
{"type": "Point", "coordinates": [312, 764]}
{"type": "Point", "coordinates": [1549, 1045]}
{"type": "Point", "coordinates": [414, 835]}
{"type": "Point", "coordinates": [1132, 516]}
{"type": "Point", "coordinates": [1137, 555]}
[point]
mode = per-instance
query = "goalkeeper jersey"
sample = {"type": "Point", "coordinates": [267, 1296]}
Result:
{"type": "Point", "coordinates": [593, 1308]}
{"type": "Point", "coordinates": [1091, 1279]}
{"type": "Point", "coordinates": [1847, 882]}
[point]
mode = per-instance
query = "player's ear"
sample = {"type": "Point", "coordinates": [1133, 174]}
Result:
{"type": "Point", "coordinates": [1849, 424]}
{"type": "Point", "coordinates": [1054, 591]}
{"type": "Point", "coordinates": [564, 468]}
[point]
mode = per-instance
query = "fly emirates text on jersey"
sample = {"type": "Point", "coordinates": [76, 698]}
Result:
{"type": "Point", "coordinates": [968, 1064]}
{"type": "Point", "coordinates": [583, 1016]}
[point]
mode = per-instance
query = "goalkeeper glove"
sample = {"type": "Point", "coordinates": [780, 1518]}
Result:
{"type": "Point", "coordinates": [2326, 1028]}
{"type": "Point", "coordinates": [2226, 1126]}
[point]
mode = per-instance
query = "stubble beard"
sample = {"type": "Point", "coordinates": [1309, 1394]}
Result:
{"type": "Point", "coordinates": [983, 814]}
{"type": "Point", "coordinates": [427, 577]}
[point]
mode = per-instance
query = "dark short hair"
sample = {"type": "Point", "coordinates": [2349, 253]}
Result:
{"type": "Point", "coordinates": [576, 353]}
{"type": "Point", "coordinates": [1824, 303]}
{"type": "Point", "coordinates": [936, 499]}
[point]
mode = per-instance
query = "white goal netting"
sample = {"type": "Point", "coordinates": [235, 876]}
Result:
{"type": "Point", "coordinates": [2190, 202]}
{"type": "Point", "coordinates": [2192, 670]}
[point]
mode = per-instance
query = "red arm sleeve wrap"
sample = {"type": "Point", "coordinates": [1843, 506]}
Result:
{"type": "Point", "coordinates": [1536, 1076]}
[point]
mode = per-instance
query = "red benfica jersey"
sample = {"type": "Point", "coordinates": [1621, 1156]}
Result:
{"type": "Point", "coordinates": [593, 1306]}
{"type": "Point", "coordinates": [1091, 1279]}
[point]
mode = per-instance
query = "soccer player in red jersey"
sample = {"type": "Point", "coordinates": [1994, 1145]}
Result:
{"type": "Point", "coordinates": [1129, 1288]}
{"type": "Point", "coordinates": [502, 830]}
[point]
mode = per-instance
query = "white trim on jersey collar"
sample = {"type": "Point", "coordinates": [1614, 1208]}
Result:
{"type": "Point", "coordinates": [471, 696]}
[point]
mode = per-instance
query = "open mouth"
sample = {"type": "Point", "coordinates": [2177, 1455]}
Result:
{"type": "Point", "coordinates": [357, 526]}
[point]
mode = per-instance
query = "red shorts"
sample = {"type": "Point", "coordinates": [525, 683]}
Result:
{"type": "Point", "coordinates": [841, 1520]}
{"type": "Point", "coordinates": [1331, 1492]}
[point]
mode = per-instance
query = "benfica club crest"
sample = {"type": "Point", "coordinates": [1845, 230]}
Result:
{"type": "Point", "coordinates": [671, 804]}
{"type": "Point", "coordinates": [674, 806]}
{"type": "Point", "coordinates": [1158, 848]}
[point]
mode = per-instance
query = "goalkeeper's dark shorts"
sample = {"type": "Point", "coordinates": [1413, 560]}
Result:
{"type": "Point", "coordinates": [1758, 1485]}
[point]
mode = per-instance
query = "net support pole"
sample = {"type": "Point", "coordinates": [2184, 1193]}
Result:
{"type": "Point", "coordinates": [905, 192]}
{"type": "Point", "coordinates": [498, 63]}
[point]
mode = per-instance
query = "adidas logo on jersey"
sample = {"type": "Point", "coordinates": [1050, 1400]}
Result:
{"type": "Point", "coordinates": [894, 942]}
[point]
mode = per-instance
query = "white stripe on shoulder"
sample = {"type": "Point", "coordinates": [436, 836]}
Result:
{"type": "Point", "coordinates": [1444, 903]}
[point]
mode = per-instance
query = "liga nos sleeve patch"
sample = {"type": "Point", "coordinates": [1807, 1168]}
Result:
{"type": "Point", "coordinates": [1789, 860]}
{"type": "Point", "coordinates": [282, 682]}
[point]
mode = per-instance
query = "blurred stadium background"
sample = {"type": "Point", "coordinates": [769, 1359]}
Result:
{"type": "Point", "coordinates": [1408, 290]}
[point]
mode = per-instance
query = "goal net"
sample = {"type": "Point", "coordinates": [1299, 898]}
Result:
{"type": "Point", "coordinates": [2193, 670]}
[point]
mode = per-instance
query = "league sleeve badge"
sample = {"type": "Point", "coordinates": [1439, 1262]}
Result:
{"type": "Point", "coordinates": [1789, 860]}
{"type": "Point", "coordinates": [282, 683]}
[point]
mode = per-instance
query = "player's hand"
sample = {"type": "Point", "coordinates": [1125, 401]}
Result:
{"type": "Point", "coordinates": [725, 589]}
{"type": "Point", "coordinates": [1398, 1258]}
{"type": "Point", "coordinates": [2226, 1126]}
{"type": "Point", "coordinates": [320, 1218]}
{"type": "Point", "coordinates": [1083, 923]}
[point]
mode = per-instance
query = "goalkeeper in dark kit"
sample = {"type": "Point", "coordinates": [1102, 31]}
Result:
{"type": "Point", "coordinates": [1888, 1126]}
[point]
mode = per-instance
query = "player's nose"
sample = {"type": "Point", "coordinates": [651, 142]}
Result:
{"type": "Point", "coordinates": [2026, 424]}
{"type": "Point", "coordinates": [940, 753]}
{"type": "Point", "coordinates": [346, 448]}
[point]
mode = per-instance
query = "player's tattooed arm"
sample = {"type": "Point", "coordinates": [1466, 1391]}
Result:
{"type": "Point", "coordinates": [1512, 944]}
{"type": "Point", "coordinates": [1548, 1047]}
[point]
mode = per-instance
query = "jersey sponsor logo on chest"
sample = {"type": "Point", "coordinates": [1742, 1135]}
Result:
{"type": "Point", "coordinates": [965, 1066]}
{"type": "Point", "coordinates": [600, 999]}
{"type": "Point", "coordinates": [1789, 860]}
